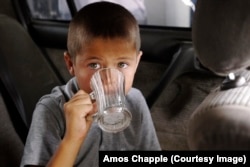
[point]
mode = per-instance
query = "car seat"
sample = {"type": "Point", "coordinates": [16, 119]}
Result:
{"type": "Point", "coordinates": [12, 101]}
{"type": "Point", "coordinates": [10, 143]}
{"type": "Point", "coordinates": [25, 75]}
{"type": "Point", "coordinates": [221, 38]}
{"type": "Point", "coordinates": [31, 73]}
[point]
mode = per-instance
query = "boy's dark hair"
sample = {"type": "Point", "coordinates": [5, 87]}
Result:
{"type": "Point", "coordinates": [105, 20]}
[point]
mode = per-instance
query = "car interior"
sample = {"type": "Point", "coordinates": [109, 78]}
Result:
{"type": "Point", "coordinates": [181, 79]}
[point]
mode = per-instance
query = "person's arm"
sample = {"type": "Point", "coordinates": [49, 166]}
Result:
{"type": "Point", "coordinates": [66, 153]}
{"type": "Point", "coordinates": [78, 113]}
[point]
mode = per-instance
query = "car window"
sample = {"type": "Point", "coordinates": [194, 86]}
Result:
{"type": "Point", "coordinates": [170, 13]}
{"type": "Point", "coordinates": [49, 9]}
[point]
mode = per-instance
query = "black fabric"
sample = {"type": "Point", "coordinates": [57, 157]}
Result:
{"type": "Point", "coordinates": [13, 101]}
{"type": "Point", "coordinates": [11, 146]}
{"type": "Point", "coordinates": [32, 74]}
{"type": "Point", "coordinates": [25, 75]}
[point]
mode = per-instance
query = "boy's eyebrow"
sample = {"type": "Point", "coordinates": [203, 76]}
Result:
{"type": "Point", "coordinates": [88, 58]}
{"type": "Point", "coordinates": [91, 58]}
{"type": "Point", "coordinates": [125, 59]}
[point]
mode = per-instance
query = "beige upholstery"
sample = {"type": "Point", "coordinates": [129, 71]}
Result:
{"type": "Point", "coordinates": [221, 38]}
{"type": "Point", "coordinates": [222, 121]}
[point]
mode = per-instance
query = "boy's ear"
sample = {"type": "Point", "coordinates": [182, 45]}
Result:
{"type": "Point", "coordinates": [69, 63]}
{"type": "Point", "coordinates": [138, 58]}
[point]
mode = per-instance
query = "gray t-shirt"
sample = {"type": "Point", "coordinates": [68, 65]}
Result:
{"type": "Point", "coordinates": [48, 127]}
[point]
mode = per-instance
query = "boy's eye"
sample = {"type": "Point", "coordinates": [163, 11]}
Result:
{"type": "Point", "coordinates": [122, 65]}
{"type": "Point", "coordinates": [94, 66]}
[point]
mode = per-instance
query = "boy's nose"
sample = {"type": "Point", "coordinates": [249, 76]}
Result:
{"type": "Point", "coordinates": [110, 66]}
{"type": "Point", "coordinates": [109, 63]}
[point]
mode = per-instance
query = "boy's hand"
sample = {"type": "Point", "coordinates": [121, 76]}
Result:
{"type": "Point", "coordinates": [78, 112]}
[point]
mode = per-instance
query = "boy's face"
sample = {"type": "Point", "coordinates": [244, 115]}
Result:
{"type": "Point", "coordinates": [104, 53]}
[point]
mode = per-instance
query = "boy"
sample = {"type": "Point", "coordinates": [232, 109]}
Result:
{"type": "Point", "coordinates": [62, 133]}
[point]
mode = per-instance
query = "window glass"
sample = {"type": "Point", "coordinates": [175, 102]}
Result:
{"type": "Point", "coordinates": [49, 9]}
{"type": "Point", "coordinates": [171, 13]}
{"type": "Point", "coordinates": [136, 7]}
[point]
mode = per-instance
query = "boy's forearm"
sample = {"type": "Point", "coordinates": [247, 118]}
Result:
{"type": "Point", "coordinates": [65, 154]}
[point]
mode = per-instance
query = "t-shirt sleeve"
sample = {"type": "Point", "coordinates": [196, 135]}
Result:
{"type": "Point", "coordinates": [45, 133]}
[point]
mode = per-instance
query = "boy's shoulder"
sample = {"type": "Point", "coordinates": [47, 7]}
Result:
{"type": "Point", "coordinates": [135, 98]}
{"type": "Point", "coordinates": [60, 94]}
{"type": "Point", "coordinates": [134, 93]}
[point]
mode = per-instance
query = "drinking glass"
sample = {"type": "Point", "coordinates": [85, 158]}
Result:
{"type": "Point", "coordinates": [108, 86]}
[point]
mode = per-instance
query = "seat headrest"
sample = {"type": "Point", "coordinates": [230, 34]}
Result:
{"type": "Point", "coordinates": [221, 34]}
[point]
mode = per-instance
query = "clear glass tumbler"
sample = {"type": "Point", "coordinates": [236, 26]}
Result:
{"type": "Point", "coordinates": [108, 91]}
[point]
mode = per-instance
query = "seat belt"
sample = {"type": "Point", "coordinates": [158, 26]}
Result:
{"type": "Point", "coordinates": [13, 101]}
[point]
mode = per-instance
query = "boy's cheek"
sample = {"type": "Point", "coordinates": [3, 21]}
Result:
{"type": "Point", "coordinates": [128, 85]}
{"type": "Point", "coordinates": [84, 84]}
